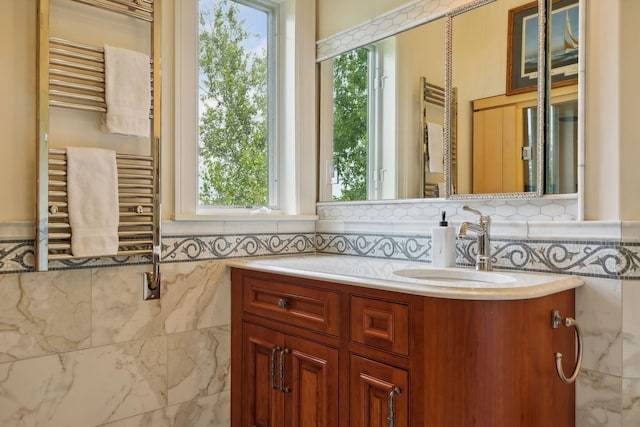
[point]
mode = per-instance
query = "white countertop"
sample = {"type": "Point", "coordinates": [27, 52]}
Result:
{"type": "Point", "coordinates": [379, 274]}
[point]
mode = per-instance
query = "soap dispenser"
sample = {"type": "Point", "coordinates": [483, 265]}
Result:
{"type": "Point", "coordinates": [443, 244]}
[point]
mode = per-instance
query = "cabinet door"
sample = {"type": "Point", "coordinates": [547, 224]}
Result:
{"type": "Point", "coordinates": [263, 403]}
{"type": "Point", "coordinates": [497, 162]}
{"type": "Point", "coordinates": [378, 394]}
{"type": "Point", "coordinates": [311, 384]}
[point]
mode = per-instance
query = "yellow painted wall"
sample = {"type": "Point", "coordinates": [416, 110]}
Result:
{"type": "Point", "coordinates": [611, 140]}
{"type": "Point", "coordinates": [68, 127]}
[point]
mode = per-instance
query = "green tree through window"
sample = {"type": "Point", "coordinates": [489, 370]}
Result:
{"type": "Point", "coordinates": [350, 121]}
{"type": "Point", "coordinates": [233, 147]}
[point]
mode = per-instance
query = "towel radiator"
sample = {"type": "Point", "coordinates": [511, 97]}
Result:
{"type": "Point", "coordinates": [433, 97]}
{"type": "Point", "coordinates": [71, 76]}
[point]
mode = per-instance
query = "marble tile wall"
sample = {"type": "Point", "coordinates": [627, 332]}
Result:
{"type": "Point", "coordinates": [81, 348]}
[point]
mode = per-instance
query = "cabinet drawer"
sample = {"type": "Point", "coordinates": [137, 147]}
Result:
{"type": "Point", "coordinates": [311, 308]}
{"type": "Point", "coordinates": [380, 324]}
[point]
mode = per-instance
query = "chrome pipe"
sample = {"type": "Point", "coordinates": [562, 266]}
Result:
{"type": "Point", "coordinates": [115, 9]}
{"type": "Point", "coordinates": [77, 96]}
{"type": "Point", "coordinates": [69, 43]}
{"type": "Point", "coordinates": [78, 76]}
{"type": "Point", "coordinates": [77, 106]}
{"type": "Point", "coordinates": [76, 55]}
{"type": "Point", "coordinates": [77, 86]}
{"type": "Point", "coordinates": [76, 65]}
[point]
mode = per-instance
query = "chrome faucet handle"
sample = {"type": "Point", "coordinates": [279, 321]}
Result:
{"type": "Point", "coordinates": [470, 209]}
{"type": "Point", "coordinates": [483, 220]}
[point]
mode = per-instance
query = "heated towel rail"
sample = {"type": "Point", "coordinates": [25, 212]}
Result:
{"type": "Point", "coordinates": [71, 75]}
{"type": "Point", "coordinates": [433, 101]}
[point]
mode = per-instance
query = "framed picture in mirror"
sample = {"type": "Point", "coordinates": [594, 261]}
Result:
{"type": "Point", "coordinates": [522, 46]}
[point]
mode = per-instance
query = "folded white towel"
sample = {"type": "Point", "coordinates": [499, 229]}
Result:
{"type": "Point", "coordinates": [436, 147]}
{"type": "Point", "coordinates": [92, 192]}
{"type": "Point", "coordinates": [127, 92]}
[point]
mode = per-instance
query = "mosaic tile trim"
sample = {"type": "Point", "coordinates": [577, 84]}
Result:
{"type": "Point", "coordinates": [99, 262]}
{"type": "Point", "coordinates": [605, 259]}
{"type": "Point", "coordinates": [192, 248]}
{"type": "Point", "coordinates": [613, 260]}
{"type": "Point", "coordinates": [18, 256]}
{"type": "Point", "coordinates": [414, 248]}
{"type": "Point", "coordinates": [383, 26]}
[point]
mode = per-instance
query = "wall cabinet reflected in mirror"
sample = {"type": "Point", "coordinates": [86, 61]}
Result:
{"type": "Point", "coordinates": [373, 118]}
{"type": "Point", "coordinates": [504, 144]}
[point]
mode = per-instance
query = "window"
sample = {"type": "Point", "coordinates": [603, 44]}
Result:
{"type": "Point", "coordinates": [236, 151]}
{"type": "Point", "coordinates": [361, 124]}
{"type": "Point", "coordinates": [244, 109]}
{"type": "Point", "coordinates": [352, 123]}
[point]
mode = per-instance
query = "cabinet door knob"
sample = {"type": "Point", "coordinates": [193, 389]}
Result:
{"type": "Point", "coordinates": [283, 303]}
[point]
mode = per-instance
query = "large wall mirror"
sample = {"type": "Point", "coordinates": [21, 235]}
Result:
{"type": "Point", "coordinates": [386, 134]}
{"type": "Point", "coordinates": [372, 112]}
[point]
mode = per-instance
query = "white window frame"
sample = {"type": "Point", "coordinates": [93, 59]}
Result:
{"type": "Point", "coordinates": [296, 109]}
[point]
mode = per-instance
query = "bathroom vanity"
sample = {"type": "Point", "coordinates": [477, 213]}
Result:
{"type": "Point", "coordinates": [337, 340]}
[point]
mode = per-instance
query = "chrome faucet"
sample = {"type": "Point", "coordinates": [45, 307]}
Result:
{"type": "Point", "coordinates": [482, 229]}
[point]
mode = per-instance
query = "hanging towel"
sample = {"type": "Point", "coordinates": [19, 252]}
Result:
{"type": "Point", "coordinates": [127, 92]}
{"type": "Point", "coordinates": [436, 148]}
{"type": "Point", "coordinates": [92, 192]}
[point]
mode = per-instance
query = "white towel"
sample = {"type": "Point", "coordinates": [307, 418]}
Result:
{"type": "Point", "coordinates": [436, 147]}
{"type": "Point", "coordinates": [127, 92]}
{"type": "Point", "coordinates": [92, 192]}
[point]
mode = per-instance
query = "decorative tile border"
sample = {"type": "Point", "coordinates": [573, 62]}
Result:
{"type": "Point", "coordinates": [18, 256]}
{"type": "Point", "coordinates": [192, 248]}
{"type": "Point", "coordinates": [605, 259]}
{"type": "Point", "coordinates": [612, 260]}
{"type": "Point", "coordinates": [413, 248]}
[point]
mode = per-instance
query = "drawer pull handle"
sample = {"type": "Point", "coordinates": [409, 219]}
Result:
{"type": "Point", "coordinates": [556, 320]}
{"type": "Point", "coordinates": [283, 303]}
{"type": "Point", "coordinates": [272, 368]}
{"type": "Point", "coordinates": [391, 418]}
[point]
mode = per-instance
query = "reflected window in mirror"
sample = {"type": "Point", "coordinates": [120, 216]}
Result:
{"type": "Point", "coordinates": [372, 116]}
{"type": "Point", "coordinates": [353, 81]}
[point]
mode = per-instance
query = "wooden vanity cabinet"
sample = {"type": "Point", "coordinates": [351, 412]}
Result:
{"type": "Point", "coordinates": [287, 380]}
{"type": "Point", "coordinates": [285, 357]}
{"type": "Point", "coordinates": [354, 356]}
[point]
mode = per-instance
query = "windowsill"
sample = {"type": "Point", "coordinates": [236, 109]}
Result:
{"type": "Point", "coordinates": [197, 225]}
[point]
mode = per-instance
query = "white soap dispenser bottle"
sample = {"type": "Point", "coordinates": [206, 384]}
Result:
{"type": "Point", "coordinates": [443, 244]}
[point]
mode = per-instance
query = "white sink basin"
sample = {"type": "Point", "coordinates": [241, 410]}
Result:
{"type": "Point", "coordinates": [458, 278]}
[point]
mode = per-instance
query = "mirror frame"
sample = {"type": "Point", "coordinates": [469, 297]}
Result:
{"type": "Point", "coordinates": [541, 106]}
